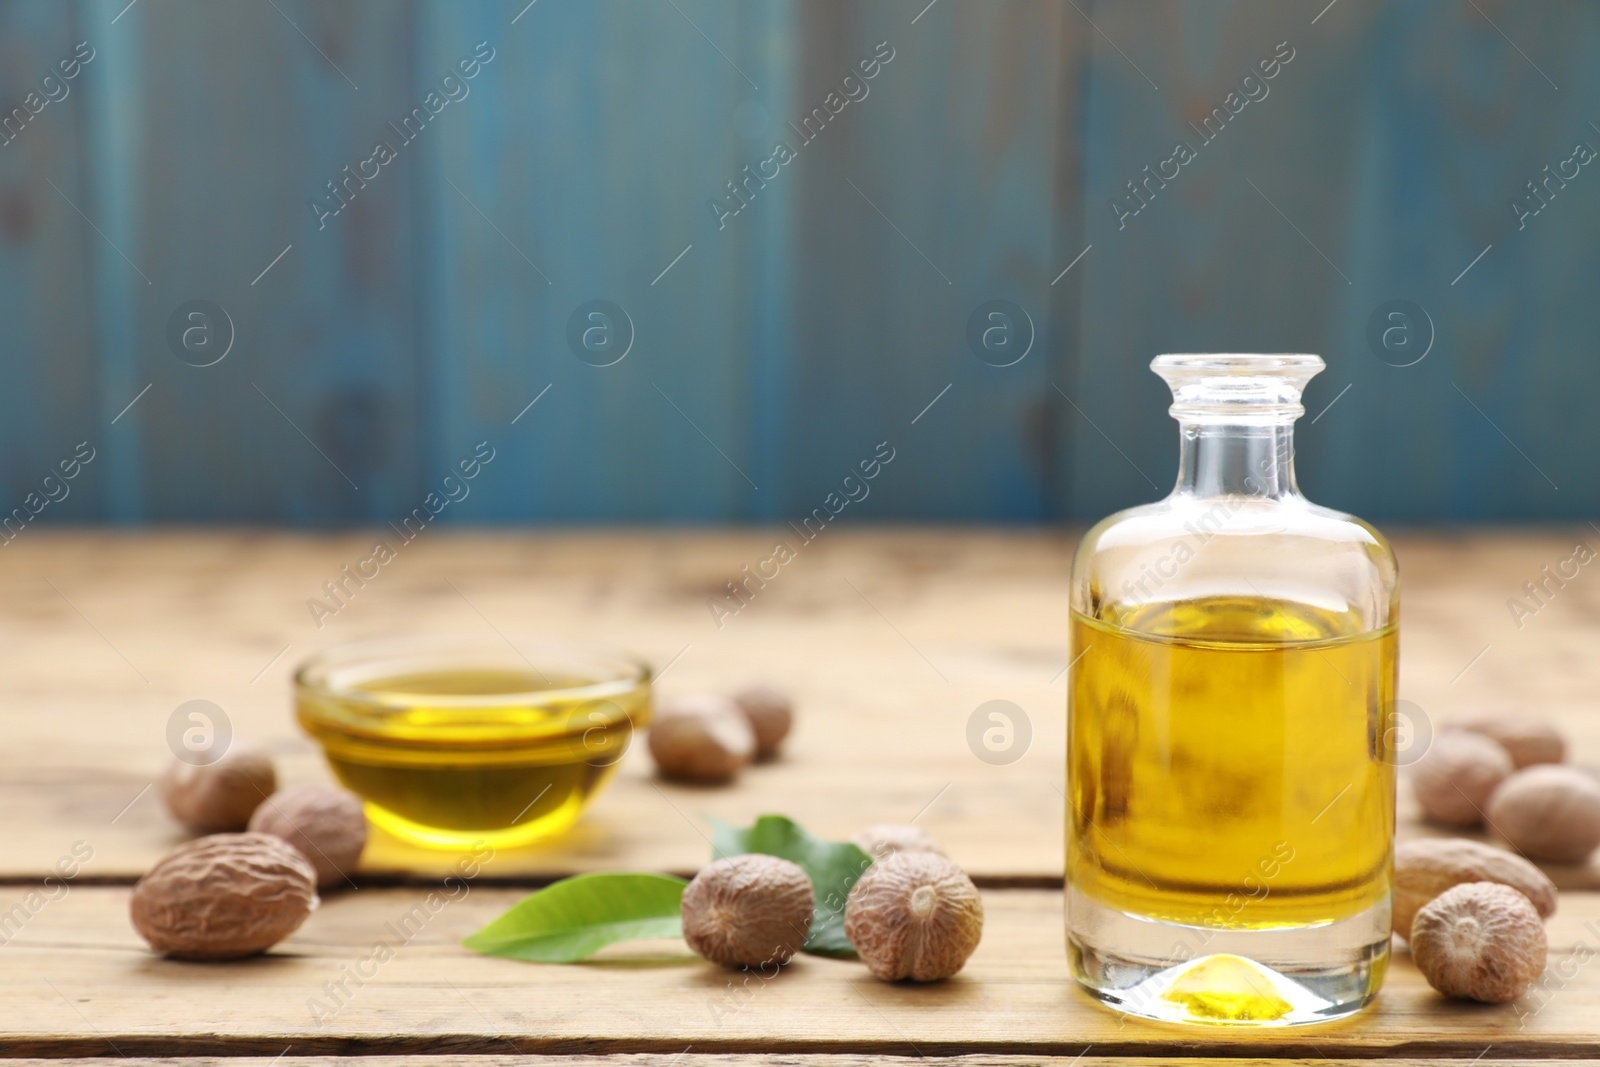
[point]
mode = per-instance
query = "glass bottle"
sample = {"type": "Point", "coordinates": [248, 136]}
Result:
{"type": "Point", "coordinates": [1230, 780]}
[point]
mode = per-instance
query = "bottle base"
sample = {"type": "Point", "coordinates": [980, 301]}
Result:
{"type": "Point", "coordinates": [1279, 976]}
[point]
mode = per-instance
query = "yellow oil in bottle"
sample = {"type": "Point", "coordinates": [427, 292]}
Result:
{"type": "Point", "coordinates": [1228, 763]}
{"type": "Point", "coordinates": [452, 757]}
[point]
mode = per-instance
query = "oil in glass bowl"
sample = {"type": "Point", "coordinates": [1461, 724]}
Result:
{"type": "Point", "coordinates": [450, 743]}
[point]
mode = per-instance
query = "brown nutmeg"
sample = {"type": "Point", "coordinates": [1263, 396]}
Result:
{"type": "Point", "coordinates": [886, 838]}
{"type": "Point", "coordinates": [771, 715]}
{"type": "Point", "coordinates": [1548, 812]}
{"type": "Point", "coordinates": [327, 825]}
{"type": "Point", "coordinates": [1527, 741]}
{"type": "Point", "coordinates": [1425, 868]}
{"type": "Point", "coordinates": [914, 915]}
{"type": "Point", "coordinates": [703, 738]}
{"type": "Point", "coordinates": [1479, 940]}
{"type": "Point", "coordinates": [748, 911]}
{"type": "Point", "coordinates": [1454, 779]}
{"type": "Point", "coordinates": [223, 897]}
{"type": "Point", "coordinates": [221, 795]}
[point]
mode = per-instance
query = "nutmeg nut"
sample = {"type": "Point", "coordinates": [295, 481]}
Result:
{"type": "Point", "coordinates": [219, 796]}
{"type": "Point", "coordinates": [1427, 867]}
{"type": "Point", "coordinates": [703, 738]}
{"type": "Point", "coordinates": [327, 825]}
{"type": "Point", "coordinates": [748, 911]}
{"type": "Point", "coordinates": [1454, 779]}
{"type": "Point", "coordinates": [1527, 741]}
{"type": "Point", "coordinates": [771, 715]}
{"type": "Point", "coordinates": [1548, 812]}
{"type": "Point", "coordinates": [1479, 940]}
{"type": "Point", "coordinates": [914, 915]}
{"type": "Point", "coordinates": [223, 897]}
{"type": "Point", "coordinates": [885, 839]}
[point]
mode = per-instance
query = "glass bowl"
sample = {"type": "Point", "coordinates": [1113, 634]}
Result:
{"type": "Point", "coordinates": [455, 741]}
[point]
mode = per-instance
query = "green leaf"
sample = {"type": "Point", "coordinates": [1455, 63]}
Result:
{"type": "Point", "coordinates": [573, 918]}
{"type": "Point", "coordinates": [833, 866]}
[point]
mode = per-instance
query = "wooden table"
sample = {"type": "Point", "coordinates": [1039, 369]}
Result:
{"type": "Point", "coordinates": [889, 638]}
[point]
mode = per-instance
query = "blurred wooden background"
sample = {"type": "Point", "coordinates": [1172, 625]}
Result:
{"type": "Point", "coordinates": [771, 354]}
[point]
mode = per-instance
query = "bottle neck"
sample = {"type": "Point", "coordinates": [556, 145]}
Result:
{"type": "Point", "coordinates": [1230, 459]}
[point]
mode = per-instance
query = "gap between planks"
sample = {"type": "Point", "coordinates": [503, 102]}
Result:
{"type": "Point", "coordinates": [688, 1058]}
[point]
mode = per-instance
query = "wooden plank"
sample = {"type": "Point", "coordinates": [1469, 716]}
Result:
{"type": "Point", "coordinates": [44, 273]}
{"type": "Point", "coordinates": [221, 124]}
{"type": "Point", "coordinates": [644, 592]}
{"type": "Point", "coordinates": [581, 171]}
{"type": "Point", "coordinates": [949, 187]}
{"type": "Point", "coordinates": [1394, 142]}
{"type": "Point", "coordinates": [414, 323]}
{"type": "Point", "coordinates": [882, 730]}
{"type": "Point", "coordinates": [695, 1059]}
{"type": "Point", "coordinates": [79, 982]}
{"type": "Point", "coordinates": [1434, 191]}
{"type": "Point", "coordinates": [1166, 254]}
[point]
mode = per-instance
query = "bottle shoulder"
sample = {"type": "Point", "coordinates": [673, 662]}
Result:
{"type": "Point", "coordinates": [1278, 548]}
{"type": "Point", "coordinates": [1240, 515]}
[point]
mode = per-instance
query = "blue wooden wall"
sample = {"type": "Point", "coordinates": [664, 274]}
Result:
{"type": "Point", "coordinates": [773, 349]}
